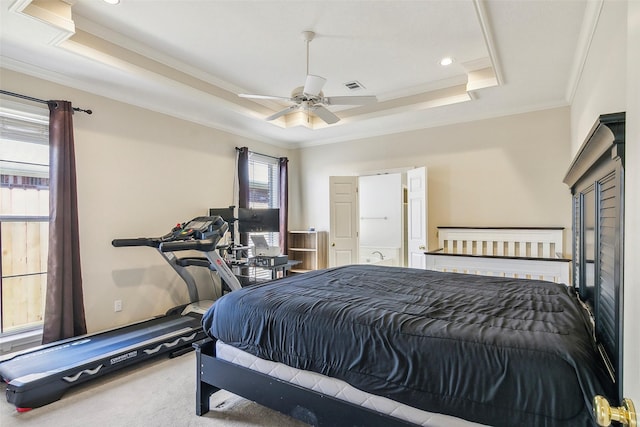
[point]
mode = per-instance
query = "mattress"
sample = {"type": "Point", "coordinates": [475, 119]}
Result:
{"type": "Point", "coordinates": [337, 388]}
{"type": "Point", "coordinates": [495, 351]}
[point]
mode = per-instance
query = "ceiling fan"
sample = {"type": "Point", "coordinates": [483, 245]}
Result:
{"type": "Point", "coordinates": [310, 97]}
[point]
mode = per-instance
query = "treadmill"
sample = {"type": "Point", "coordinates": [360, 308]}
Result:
{"type": "Point", "coordinates": [42, 375]}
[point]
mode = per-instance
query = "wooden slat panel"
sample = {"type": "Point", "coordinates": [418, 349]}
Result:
{"type": "Point", "coordinates": [546, 250]}
{"type": "Point", "coordinates": [607, 306]}
{"type": "Point", "coordinates": [24, 257]}
{"type": "Point", "coordinates": [483, 240]}
{"type": "Point", "coordinates": [534, 249]}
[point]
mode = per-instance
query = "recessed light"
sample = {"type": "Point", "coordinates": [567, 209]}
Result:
{"type": "Point", "coordinates": [112, 1]}
{"type": "Point", "coordinates": [447, 60]}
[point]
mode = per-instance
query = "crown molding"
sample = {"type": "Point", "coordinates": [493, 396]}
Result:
{"type": "Point", "coordinates": [483, 19]}
{"type": "Point", "coordinates": [587, 31]}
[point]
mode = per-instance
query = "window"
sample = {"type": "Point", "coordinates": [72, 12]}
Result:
{"type": "Point", "coordinates": [24, 216]}
{"type": "Point", "coordinates": [264, 188]}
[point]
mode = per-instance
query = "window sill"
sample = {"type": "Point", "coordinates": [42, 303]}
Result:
{"type": "Point", "coordinates": [20, 341]}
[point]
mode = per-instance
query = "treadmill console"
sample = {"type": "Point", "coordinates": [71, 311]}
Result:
{"type": "Point", "coordinates": [199, 228]}
{"type": "Point", "coordinates": [201, 234]}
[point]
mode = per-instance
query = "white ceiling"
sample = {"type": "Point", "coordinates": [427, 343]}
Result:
{"type": "Point", "coordinates": [190, 59]}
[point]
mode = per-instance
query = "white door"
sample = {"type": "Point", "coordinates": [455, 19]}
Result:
{"type": "Point", "coordinates": [417, 217]}
{"type": "Point", "coordinates": [343, 229]}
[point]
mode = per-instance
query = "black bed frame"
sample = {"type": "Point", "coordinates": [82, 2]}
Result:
{"type": "Point", "coordinates": [306, 405]}
{"type": "Point", "coordinates": [601, 155]}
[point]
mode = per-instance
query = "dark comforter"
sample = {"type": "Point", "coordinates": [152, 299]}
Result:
{"type": "Point", "coordinates": [492, 350]}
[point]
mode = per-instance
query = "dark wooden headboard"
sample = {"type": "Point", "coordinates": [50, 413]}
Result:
{"type": "Point", "coordinates": [596, 179]}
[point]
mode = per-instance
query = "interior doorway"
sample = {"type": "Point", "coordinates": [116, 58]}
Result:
{"type": "Point", "coordinates": [378, 218]}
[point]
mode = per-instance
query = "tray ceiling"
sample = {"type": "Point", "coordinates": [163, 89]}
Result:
{"type": "Point", "coordinates": [191, 59]}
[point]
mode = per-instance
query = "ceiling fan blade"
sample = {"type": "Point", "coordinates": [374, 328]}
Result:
{"type": "Point", "coordinates": [249, 96]}
{"type": "Point", "coordinates": [313, 85]}
{"type": "Point", "coordinates": [282, 112]}
{"type": "Point", "coordinates": [350, 100]}
{"type": "Point", "coordinates": [325, 114]}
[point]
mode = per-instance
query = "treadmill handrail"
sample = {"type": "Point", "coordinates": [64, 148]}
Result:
{"type": "Point", "coordinates": [185, 245]}
{"type": "Point", "coordinates": [140, 241]}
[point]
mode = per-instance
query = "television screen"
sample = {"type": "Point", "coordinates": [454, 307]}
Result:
{"type": "Point", "coordinates": [258, 220]}
{"type": "Point", "coordinates": [226, 213]}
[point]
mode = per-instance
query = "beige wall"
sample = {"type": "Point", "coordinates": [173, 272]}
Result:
{"type": "Point", "coordinates": [498, 172]}
{"type": "Point", "coordinates": [139, 173]}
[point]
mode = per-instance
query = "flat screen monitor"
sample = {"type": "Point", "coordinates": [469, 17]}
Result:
{"type": "Point", "coordinates": [226, 213]}
{"type": "Point", "coordinates": [258, 220]}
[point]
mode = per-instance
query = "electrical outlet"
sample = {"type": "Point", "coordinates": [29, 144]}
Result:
{"type": "Point", "coordinates": [117, 305]}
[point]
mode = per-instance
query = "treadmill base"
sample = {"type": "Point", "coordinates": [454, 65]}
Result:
{"type": "Point", "coordinates": [42, 376]}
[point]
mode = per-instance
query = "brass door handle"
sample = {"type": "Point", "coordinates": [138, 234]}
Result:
{"type": "Point", "coordinates": [422, 247]}
{"type": "Point", "coordinates": [604, 413]}
{"type": "Point", "coordinates": [333, 244]}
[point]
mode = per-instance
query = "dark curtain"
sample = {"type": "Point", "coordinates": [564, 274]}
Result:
{"type": "Point", "coordinates": [283, 164]}
{"type": "Point", "coordinates": [243, 186]}
{"type": "Point", "coordinates": [64, 315]}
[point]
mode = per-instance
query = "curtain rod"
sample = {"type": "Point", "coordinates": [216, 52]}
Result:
{"type": "Point", "coordinates": [264, 155]}
{"type": "Point", "coordinates": [41, 101]}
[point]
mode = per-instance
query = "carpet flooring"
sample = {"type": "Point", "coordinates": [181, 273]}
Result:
{"type": "Point", "coordinates": [160, 392]}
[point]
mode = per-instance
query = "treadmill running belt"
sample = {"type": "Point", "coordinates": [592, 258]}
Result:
{"type": "Point", "coordinates": [88, 348]}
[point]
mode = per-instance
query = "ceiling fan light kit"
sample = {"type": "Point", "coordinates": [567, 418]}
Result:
{"type": "Point", "coordinates": [309, 98]}
{"type": "Point", "coordinates": [313, 85]}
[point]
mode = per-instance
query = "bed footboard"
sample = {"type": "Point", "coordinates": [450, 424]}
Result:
{"type": "Point", "coordinates": [526, 253]}
{"type": "Point", "coordinates": [307, 405]}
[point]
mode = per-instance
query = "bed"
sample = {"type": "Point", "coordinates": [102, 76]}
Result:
{"type": "Point", "coordinates": [374, 345]}
{"type": "Point", "coordinates": [473, 347]}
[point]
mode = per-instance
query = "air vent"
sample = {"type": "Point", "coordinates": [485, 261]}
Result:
{"type": "Point", "coordinates": [354, 85]}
